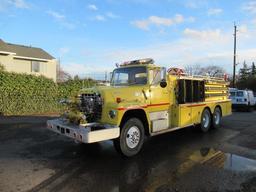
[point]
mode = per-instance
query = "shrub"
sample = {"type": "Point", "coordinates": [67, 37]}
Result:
{"type": "Point", "coordinates": [27, 94]}
{"type": "Point", "coordinates": [22, 94]}
{"type": "Point", "coordinates": [71, 87]}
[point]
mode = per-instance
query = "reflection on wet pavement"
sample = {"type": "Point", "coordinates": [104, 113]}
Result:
{"type": "Point", "coordinates": [206, 168]}
{"type": "Point", "coordinates": [238, 163]}
{"type": "Point", "coordinates": [228, 161]}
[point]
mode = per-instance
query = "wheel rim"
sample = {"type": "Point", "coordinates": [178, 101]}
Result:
{"type": "Point", "coordinates": [133, 137]}
{"type": "Point", "coordinates": [206, 120]}
{"type": "Point", "coordinates": [217, 117]}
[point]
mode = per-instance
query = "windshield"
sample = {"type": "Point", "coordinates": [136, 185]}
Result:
{"type": "Point", "coordinates": [129, 76]}
{"type": "Point", "coordinates": [232, 94]}
{"type": "Point", "coordinates": [240, 94]}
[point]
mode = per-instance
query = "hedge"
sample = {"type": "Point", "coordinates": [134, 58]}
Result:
{"type": "Point", "coordinates": [22, 94]}
{"type": "Point", "coordinates": [71, 87]}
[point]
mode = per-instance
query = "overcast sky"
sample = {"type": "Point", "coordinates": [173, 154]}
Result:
{"type": "Point", "coordinates": [92, 35]}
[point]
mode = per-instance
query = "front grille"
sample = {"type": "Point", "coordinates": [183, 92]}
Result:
{"type": "Point", "coordinates": [91, 106]}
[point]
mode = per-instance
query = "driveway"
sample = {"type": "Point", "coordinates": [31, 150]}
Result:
{"type": "Point", "coordinates": [35, 159]}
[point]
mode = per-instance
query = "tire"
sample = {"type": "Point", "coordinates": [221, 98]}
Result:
{"type": "Point", "coordinates": [249, 108]}
{"type": "Point", "coordinates": [216, 118]}
{"type": "Point", "coordinates": [131, 138]}
{"type": "Point", "coordinates": [205, 121]}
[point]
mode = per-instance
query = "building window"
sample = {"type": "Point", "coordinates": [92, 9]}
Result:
{"type": "Point", "coordinates": [35, 66]}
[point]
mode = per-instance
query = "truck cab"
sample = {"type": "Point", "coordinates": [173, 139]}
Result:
{"type": "Point", "coordinates": [143, 99]}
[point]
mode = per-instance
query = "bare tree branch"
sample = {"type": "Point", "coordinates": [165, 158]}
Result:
{"type": "Point", "coordinates": [62, 75]}
{"type": "Point", "coordinates": [211, 70]}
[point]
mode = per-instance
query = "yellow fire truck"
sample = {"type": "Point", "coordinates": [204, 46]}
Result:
{"type": "Point", "coordinates": [143, 99]}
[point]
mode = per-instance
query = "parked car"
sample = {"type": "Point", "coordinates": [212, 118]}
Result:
{"type": "Point", "coordinates": [242, 99]}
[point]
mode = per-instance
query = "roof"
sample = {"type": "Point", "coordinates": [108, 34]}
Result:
{"type": "Point", "coordinates": [24, 51]}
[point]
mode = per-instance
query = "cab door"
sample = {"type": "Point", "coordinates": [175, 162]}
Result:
{"type": "Point", "coordinates": [159, 107]}
{"type": "Point", "coordinates": [159, 96]}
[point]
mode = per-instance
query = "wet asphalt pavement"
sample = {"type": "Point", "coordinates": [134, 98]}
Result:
{"type": "Point", "coordinates": [35, 159]}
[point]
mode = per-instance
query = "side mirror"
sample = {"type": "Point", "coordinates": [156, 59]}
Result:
{"type": "Point", "coordinates": [163, 83]}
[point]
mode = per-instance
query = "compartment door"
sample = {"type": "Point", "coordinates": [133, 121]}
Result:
{"type": "Point", "coordinates": [185, 115]}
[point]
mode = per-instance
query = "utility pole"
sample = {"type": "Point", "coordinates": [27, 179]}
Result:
{"type": "Point", "coordinates": [106, 76]}
{"type": "Point", "coordinates": [234, 61]}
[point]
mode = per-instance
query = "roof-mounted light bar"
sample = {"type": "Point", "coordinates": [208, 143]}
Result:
{"type": "Point", "coordinates": [137, 62]}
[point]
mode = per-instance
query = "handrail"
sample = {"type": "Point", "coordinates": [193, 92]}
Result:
{"type": "Point", "coordinates": [186, 76]}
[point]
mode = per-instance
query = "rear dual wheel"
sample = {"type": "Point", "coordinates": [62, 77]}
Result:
{"type": "Point", "coordinates": [205, 120]}
{"type": "Point", "coordinates": [216, 118]}
{"type": "Point", "coordinates": [209, 120]}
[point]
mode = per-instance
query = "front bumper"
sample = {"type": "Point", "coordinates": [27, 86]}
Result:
{"type": "Point", "coordinates": [87, 133]}
{"type": "Point", "coordinates": [240, 106]}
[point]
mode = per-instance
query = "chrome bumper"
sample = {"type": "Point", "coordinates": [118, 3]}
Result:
{"type": "Point", "coordinates": [87, 133]}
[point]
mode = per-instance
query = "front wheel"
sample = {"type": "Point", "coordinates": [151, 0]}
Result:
{"type": "Point", "coordinates": [131, 138]}
{"type": "Point", "coordinates": [205, 120]}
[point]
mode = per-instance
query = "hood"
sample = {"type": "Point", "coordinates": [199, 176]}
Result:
{"type": "Point", "coordinates": [129, 94]}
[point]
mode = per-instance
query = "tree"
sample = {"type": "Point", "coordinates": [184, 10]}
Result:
{"type": "Point", "coordinates": [211, 70]}
{"type": "Point", "coordinates": [253, 70]}
{"type": "Point", "coordinates": [62, 75]}
{"type": "Point", "coordinates": [247, 77]}
{"type": "Point", "coordinates": [193, 69]}
{"type": "Point", "coordinates": [76, 78]}
{"type": "Point", "coordinates": [244, 72]}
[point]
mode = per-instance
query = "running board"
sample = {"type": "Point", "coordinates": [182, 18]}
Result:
{"type": "Point", "coordinates": [170, 130]}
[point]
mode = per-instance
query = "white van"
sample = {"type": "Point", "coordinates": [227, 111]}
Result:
{"type": "Point", "coordinates": [254, 99]}
{"type": "Point", "coordinates": [242, 99]}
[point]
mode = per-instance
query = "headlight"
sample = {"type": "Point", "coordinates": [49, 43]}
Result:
{"type": "Point", "coordinates": [112, 114]}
